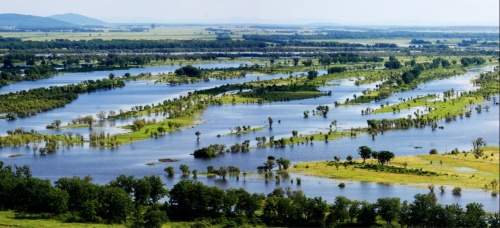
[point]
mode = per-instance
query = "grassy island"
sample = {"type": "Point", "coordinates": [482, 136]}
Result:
{"type": "Point", "coordinates": [450, 170]}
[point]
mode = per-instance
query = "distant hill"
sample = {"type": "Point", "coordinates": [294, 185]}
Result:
{"type": "Point", "coordinates": [78, 19]}
{"type": "Point", "coordinates": [21, 21]}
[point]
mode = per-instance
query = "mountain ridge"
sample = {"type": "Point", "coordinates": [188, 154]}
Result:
{"type": "Point", "coordinates": [22, 21]}
{"type": "Point", "coordinates": [78, 19]}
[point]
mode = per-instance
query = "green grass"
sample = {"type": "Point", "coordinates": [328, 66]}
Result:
{"type": "Point", "coordinates": [8, 219]}
{"type": "Point", "coordinates": [463, 170]}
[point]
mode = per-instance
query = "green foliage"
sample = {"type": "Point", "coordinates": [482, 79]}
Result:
{"type": "Point", "coordinates": [384, 157]}
{"type": "Point", "coordinates": [312, 74]}
{"type": "Point", "coordinates": [365, 152]}
{"type": "Point", "coordinates": [189, 71]}
{"type": "Point", "coordinates": [333, 70]}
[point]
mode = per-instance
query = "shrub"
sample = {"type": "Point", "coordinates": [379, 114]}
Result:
{"type": "Point", "coordinates": [433, 151]}
{"type": "Point", "coordinates": [456, 191]}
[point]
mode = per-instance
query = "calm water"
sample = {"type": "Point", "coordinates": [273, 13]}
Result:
{"type": "Point", "coordinates": [130, 159]}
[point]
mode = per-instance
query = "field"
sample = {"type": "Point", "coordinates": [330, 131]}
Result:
{"type": "Point", "coordinates": [461, 170]}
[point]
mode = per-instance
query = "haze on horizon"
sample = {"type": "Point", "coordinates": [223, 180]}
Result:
{"type": "Point", "coordinates": [344, 12]}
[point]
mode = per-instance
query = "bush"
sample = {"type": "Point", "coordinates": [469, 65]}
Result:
{"type": "Point", "coordinates": [341, 185]}
{"type": "Point", "coordinates": [456, 191]}
{"type": "Point", "coordinates": [206, 152]}
{"type": "Point", "coordinates": [433, 151]}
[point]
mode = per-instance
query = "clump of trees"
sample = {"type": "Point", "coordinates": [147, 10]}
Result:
{"type": "Point", "coordinates": [136, 202]}
{"type": "Point", "coordinates": [189, 71]}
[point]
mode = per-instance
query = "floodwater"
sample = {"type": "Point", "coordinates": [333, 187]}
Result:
{"type": "Point", "coordinates": [130, 159]}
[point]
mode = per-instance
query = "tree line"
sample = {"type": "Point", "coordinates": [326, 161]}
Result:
{"type": "Point", "coordinates": [373, 34]}
{"type": "Point", "coordinates": [132, 45]}
{"type": "Point", "coordinates": [138, 202]}
{"type": "Point", "coordinates": [27, 103]}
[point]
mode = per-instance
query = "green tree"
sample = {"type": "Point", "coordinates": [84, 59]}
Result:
{"type": "Point", "coordinates": [388, 208]}
{"type": "Point", "coordinates": [170, 171]}
{"type": "Point", "coordinates": [222, 172]}
{"type": "Point", "coordinates": [185, 169]}
{"type": "Point", "coordinates": [368, 215]}
{"type": "Point", "coordinates": [340, 208]}
{"type": "Point", "coordinates": [384, 157]}
{"type": "Point", "coordinates": [282, 162]}
{"type": "Point", "coordinates": [154, 217]}
{"type": "Point", "coordinates": [312, 74]}
{"type": "Point", "coordinates": [57, 123]}
{"type": "Point", "coordinates": [158, 190]}
{"type": "Point", "coordinates": [116, 204]}
{"type": "Point", "coordinates": [420, 210]}
{"type": "Point", "coordinates": [477, 144]}
{"type": "Point", "coordinates": [475, 215]}
{"type": "Point", "coordinates": [142, 191]}
{"type": "Point", "coordinates": [365, 152]}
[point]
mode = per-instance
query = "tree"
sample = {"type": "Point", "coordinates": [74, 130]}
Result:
{"type": "Point", "coordinates": [388, 208]}
{"type": "Point", "coordinates": [142, 191]}
{"type": "Point", "coordinates": [222, 172]}
{"type": "Point", "coordinates": [185, 169]}
{"type": "Point", "coordinates": [420, 210]}
{"type": "Point", "coordinates": [312, 74]}
{"type": "Point", "coordinates": [189, 71]}
{"type": "Point", "coordinates": [57, 123]}
{"type": "Point", "coordinates": [384, 157]}
{"type": "Point", "coordinates": [270, 121]}
{"type": "Point", "coordinates": [111, 76]}
{"type": "Point", "coordinates": [307, 63]}
{"type": "Point", "coordinates": [116, 204]}
{"type": "Point", "coordinates": [340, 208]}
{"type": "Point", "coordinates": [393, 63]}
{"type": "Point", "coordinates": [282, 162]}
{"type": "Point", "coordinates": [197, 133]}
{"type": "Point", "coordinates": [139, 123]}
{"type": "Point", "coordinates": [170, 171]}
{"type": "Point", "coordinates": [368, 215]}
{"type": "Point", "coordinates": [154, 217]}
{"type": "Point", "coordinates": [158, 190]}
{"type": "Point", "coordinates": [477, 144]}
{"type": "Point", "coordinates": [102, 116]}
{"type": "Point", "coordinates": [205, 152]}
{"type": "Point", "coordinates": [161, 130]}
{"type": "Point", "coordinates": [475, 215]}
{"type": "Point", "coordinates": [408, 77]}
{"type": "Point", "coordinates": [295, 61]}
{"type": "Point", "coordinates": [365, 152]}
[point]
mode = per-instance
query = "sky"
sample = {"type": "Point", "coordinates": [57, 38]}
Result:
{"type": "Point", "coordinates": [345, 12]}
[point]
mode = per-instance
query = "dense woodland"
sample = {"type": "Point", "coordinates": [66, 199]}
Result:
{"type": "Point", "coordinates": [141, 202]}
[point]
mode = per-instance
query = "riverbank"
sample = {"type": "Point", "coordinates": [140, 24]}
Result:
{"type": "Point", "coordinates": [453, 170]}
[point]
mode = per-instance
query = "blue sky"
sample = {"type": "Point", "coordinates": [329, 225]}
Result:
{"type": "Point", "coordinates": [346, 12]}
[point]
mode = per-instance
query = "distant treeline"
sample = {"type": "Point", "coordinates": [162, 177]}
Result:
{"type": "Point", "coordinates": [135, 202]}
{"type": "Point", "coordinates": [370, 35]}
{"type": "Point", "coordinates": [131, 45]}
